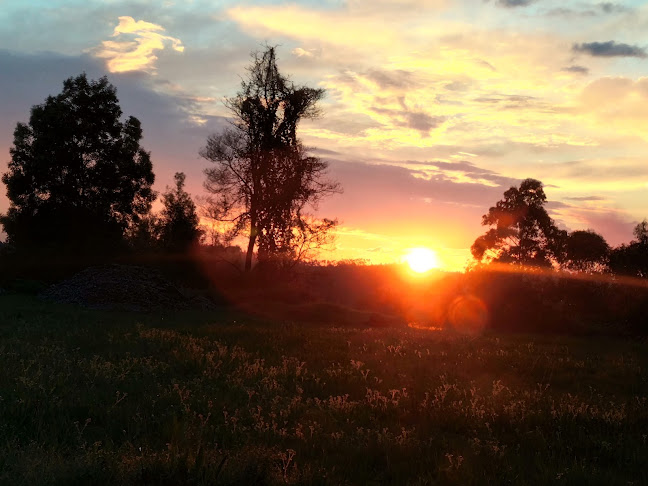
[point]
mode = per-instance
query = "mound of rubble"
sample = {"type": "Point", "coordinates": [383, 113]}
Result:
{"type": "Point", "coordinates": [123, 287]}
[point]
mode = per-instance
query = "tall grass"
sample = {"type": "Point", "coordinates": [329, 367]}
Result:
{"type": "Point", "coordinates": [90, 397]}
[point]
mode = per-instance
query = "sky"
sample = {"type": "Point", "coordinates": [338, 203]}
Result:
{"type": "Point", "coordinates": [433, 108]}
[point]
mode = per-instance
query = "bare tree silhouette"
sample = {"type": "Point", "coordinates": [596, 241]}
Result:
{"type": "Point", "coordinates": [263, 179]}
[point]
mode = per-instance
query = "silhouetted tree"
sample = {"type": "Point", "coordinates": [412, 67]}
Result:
{"type": "Point", "coordinates": [632, 259]}
{"type": "Point", "coordinates": [264, 179]}
{"type": "Point", "coordinates": [522, 232]}
{"type": "Point", "coordinates": [310, 237]}
{"type": "Point", "coordinates": [179, 223]}
{"type": "Point", "coordinates": [144, 235]}
{"type": "Point", "coordinates": [78, 177]}
{"type": "Point", "coordinates": [586, 251]}
{"type": "Point", "coordinates": [640, 232]}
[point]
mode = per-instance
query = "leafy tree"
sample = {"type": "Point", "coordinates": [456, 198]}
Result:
{"type": "Point", "coordinates": [586, 251]}
{"type": "Point", "coordinates": [78, 177]}
{"type": "Point", "coordinates": [264, 179]}
{"type": "Point", "coordinates": [632, 259]}
{"type": "Point", "coordinates": [179, 223]}
{"type": "Point", "coordinates": [522, 232]}
{"type": "Point", "coordinates": [144, 235]}
{"type": "Point", "coordinates": [640, 232]}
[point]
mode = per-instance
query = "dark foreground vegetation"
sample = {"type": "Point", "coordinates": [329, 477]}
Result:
{"type": "Point", "coordinates": [336, 375]}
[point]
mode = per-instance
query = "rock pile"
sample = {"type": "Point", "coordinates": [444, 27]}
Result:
{"type": "Point", "coordinates": [122, 287]}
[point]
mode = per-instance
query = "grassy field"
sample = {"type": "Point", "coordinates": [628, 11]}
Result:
{"type": "Point", "coordinates": [90, 397]}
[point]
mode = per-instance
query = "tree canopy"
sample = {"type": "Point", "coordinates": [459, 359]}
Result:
{"type": "Point", "coordinates": [179, 223]}
{"type": "Point", "coordinates": [264, 179]}
{"type": "Point", "coordinates": [78, 177]}
{"type": "Point", "coordinates": [521, 230]}
{"type": "Point", "coordinates": [632, 259]}
{"type": "Point", "coordinates": [586, 251]}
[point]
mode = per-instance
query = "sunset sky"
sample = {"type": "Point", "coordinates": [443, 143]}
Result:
{"type": "Point", "coordinates": [433, 108]}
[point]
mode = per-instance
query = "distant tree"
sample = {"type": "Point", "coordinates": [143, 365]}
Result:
{"type": "Point", "coordinates": [640, 233]}
{"type": "Point", "coordinates": [586, 251]}
{"type": "Point", "coordinates": [144, 235]}
{"type": "Point", "coordinates": [179, 223]}
{"type": "Point", "coordinates": [521, 230]}
{"type": "Point", "coordinates": [632, 259]}
{"type": "Point", "coordinates": [77, 177]}
{"type": "Point", "coordinates": [264, 179]}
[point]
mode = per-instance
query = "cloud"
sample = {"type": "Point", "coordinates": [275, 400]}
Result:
{"type": "Point", "coordinates": [553, 205]}
{"type": "Point", "coordinates": [514, 3]}
{"type": "Point", "coordinates": [586, 198]}
{"type": "Point", "coordinates": [486, 64]}
{"type": "Point", "coordinates": [583, 10]}
{"type": "Point", "coordinates": [513, 102]}
{"type": "Point", "coordinates": [416, 120]}
{"type": "Point", "coordinates": [419, 121]}
{"type": "Point", "coordinates": [609, 7]}
{"type": "Point", "coordinates": [398, 78]}
{"type": "Point", "coordinates": [299, 52]}
{"type": "Point", "coordinates": [610, 49]}
{"type": "Point", "coordinates": [576, 69]}
{"type": "Point", "coordinates": [464, 171]}
{"type": "Point", "coordinates": [382, 100]}
{"type": "Point", "coordinates": [135, 46]}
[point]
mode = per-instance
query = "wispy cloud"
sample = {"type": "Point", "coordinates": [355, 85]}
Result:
{"type": "Point", "coordinates": [586, 198]}
{"type": "Point", "coordinates": [584, 10]}
{"type": "Point", "coordinates": [299, 52]}
{"type": "Point", "coordinates": [135, 46]}
{"type": "Point", "coordinates": [609, 7]}
{"type": "Point", "coordinates": [610, 49]}
{"type": "Point", "coordinates": [576, 69]}
{"type": "Point", "coordinates": [514, 3]}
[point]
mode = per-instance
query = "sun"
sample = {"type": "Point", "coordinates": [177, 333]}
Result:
{"type": "Point", "coordinates": [420, 260]}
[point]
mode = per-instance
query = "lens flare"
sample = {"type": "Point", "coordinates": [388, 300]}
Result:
{"type": "Point", "coordinates": [468, 315]}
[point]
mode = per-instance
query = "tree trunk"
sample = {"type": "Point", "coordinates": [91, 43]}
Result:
{"type": "Point", "coordinates": [250, 251]}
{"type": "Point", "coordinates": [250, 248]}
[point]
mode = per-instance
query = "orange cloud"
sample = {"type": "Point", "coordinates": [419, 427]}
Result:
{"type": "Point", "coordinates": [135, 46]}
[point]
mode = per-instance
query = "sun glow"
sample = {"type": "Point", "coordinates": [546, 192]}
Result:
{"type": "Point", "coordinates": [421, 260]}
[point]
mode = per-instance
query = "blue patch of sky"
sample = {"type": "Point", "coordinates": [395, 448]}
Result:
{"type": "Point", "coordinates": [72, 26]}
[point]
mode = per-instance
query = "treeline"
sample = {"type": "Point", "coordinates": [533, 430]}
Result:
{"type": "Point", "coordinates": [522, 233]}
{"type": "Point", "coordinates": [80, 184]}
